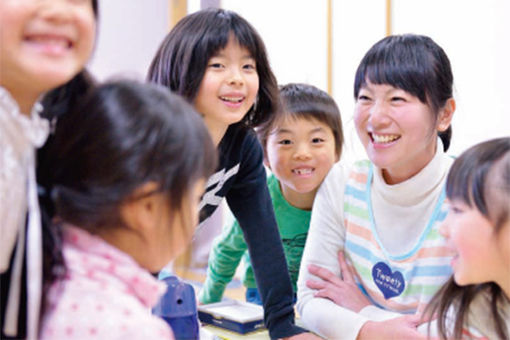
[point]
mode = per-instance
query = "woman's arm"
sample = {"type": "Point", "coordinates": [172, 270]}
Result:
{"type": "Point", "coordinates": [319, 311]}
{"type": "Point", "coordinates": [344, 291]}
{"type": "Point", "coordinates": [325, 239]}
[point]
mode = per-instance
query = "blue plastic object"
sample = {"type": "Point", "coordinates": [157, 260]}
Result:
{"type": "Point", "coordinates": [178, 308]}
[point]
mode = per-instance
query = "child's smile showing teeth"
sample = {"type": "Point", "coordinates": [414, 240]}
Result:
{"type": "Point", "coordinates": [232, 99]}
{"type": "Point", "coordinates": [303, 171]}
{"type": "Point", "coordinates": [49, 43]}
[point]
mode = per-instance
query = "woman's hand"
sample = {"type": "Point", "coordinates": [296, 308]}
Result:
{"type": "Point", "coordinates": [342, 291]}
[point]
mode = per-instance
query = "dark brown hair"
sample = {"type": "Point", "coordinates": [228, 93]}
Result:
{"type": "Point", "coordinates": [125, 134]}
{"type": "Point", "coordinates": [308, 102]}
{"type": "Point", "coordinates": [119, 136]}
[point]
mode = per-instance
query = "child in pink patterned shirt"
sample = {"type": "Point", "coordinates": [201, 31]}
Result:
{"type": "Point", "coordinates": [128, 168]}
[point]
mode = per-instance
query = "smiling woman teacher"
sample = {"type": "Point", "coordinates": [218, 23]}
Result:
{"type": "Point", "coordinates": [384, 213]}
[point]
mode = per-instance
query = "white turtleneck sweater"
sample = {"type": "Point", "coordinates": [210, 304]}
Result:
{"type": "Point", "coordinates": [411, 201]}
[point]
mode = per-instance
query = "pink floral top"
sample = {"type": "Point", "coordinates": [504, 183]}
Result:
{"type": "Point", "coordinates": [105, 294]}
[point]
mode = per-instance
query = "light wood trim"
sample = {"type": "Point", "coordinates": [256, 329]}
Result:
{"type": "Point", "coordinates": [389, 18]}
{"type": "Point", "coordinates": [177, 9]}
{"type": "Point", "coordinates": [330, 47]}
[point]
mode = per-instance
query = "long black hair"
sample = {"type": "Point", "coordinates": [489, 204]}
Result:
{"type": "Point", "coordinates": [116, 137]}
{"type": "Point", "coordinates": [480, 178]}
{"type": "Point", "coordinates": [123, 135]}
{"type": "Point", "coordinates": [182, 58]}
{"type": "Point", "coordinates": [413, 63]}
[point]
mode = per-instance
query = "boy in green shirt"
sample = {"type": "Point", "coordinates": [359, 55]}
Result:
{"type": "Point", "coordinates": [301, 143]}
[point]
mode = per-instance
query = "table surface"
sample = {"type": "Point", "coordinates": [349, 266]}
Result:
{"type": "Point", "coordinates": [209, 332]}
{"type": "Point", "coordinates": [235, 291]}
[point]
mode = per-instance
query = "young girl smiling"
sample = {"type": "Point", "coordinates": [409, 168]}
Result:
{"type": "Point", "coordinates": [217, 61]}
{"type": "Point", "coordinates": [43, 44]}
{"type": "Point", "coordinates": [475, 303]}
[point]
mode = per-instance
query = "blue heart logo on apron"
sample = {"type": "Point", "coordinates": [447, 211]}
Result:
{"type": "Point", "coordinates": [389, 283]}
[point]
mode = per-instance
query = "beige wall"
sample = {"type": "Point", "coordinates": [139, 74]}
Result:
{"type": "Point", "coordinates": [476, 36]}
{"type": "Point", "coordinates": [130, 32]}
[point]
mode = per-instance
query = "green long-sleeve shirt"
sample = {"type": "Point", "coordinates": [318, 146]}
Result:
{"type": "Point", "coordinates": [230, 247]}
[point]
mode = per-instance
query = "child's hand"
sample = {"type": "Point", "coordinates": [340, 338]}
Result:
{"type": "Point", "coordinates": [344, 292]}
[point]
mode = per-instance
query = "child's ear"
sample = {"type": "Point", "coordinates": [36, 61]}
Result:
{"type": "Point", "coordinates": [142, 212]}
{"type": "Point", "coordinates": [446, 115]}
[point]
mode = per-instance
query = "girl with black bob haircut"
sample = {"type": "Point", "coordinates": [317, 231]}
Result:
{"type": "Point", "coordinates": [217, 61]}
{"type": "Point", "coordinates": [128, 169]}
{"type": "Point", "coordinates": [474, 302]}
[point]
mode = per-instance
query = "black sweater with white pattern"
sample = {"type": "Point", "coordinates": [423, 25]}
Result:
{"type": "Point", "coordinates": [241, 179]}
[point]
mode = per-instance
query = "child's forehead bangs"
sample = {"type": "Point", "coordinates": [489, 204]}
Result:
{"type": "Point", "coordinates": [459, 184]}
{"type": "Point", "coordinates": [246, 39]}
{"type": "Point", "coordinates": [214, 41]}
{"type": "Point", "coordinates": [310, 111]}
{"type": "Point", "coordinates": [473, 175]}
{"type": "Point", "coordinates": [466, 182]}
{"type": "Point", "coordinates": [227, 26]}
